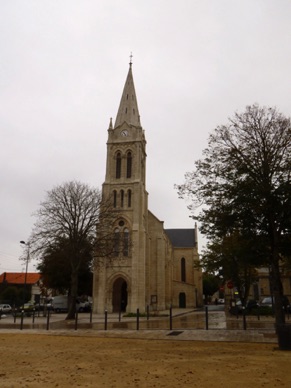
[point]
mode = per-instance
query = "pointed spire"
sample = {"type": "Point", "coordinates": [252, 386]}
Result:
{"type": "Point", "coordinates": [110, 124]}
{"type": "Point", "coordinates": [128, 109]}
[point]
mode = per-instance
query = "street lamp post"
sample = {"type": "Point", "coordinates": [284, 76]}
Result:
{"type": "Point", "coordinates": [26, 267]}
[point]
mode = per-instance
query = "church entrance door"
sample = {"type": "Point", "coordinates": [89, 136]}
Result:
{"type": "Point", "coordinates": [182, 300]}
{"type": "Point", "coordinates": [119, 295]}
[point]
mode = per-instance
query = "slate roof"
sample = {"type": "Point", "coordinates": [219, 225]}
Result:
{"type": "Point", "coordinates": [19, 277]}
{"type": "Point", "coordinates": [182, 238]}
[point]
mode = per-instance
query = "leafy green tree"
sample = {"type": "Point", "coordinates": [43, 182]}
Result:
{"type": "Point", "coordinates": [56, 273]}
{"type": "Point", "coordinates": [234, 258]}
{"type": "Point", "coordinates": [66, 228]}
{"type": "Point", "coordinates": [13, 295]}
{"type": "Point", "coordinates": [210, 284]}
{"type": "Point", "coordinates": [243, 182]}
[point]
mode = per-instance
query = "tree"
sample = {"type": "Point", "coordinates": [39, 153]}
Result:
{"type": "Point", "coordinates": [234, 258]}
{"type": "Point", "coordinates": [243, 182]}
{"type": "Point", "coordinates": [210, 284]}
{"type": "Point", "coordinates": [66, 225]}
{"type": "Point", "coordinates": [56, 273]}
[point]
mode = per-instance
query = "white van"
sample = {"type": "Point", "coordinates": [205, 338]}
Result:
{"type": "Point", "coordinates": [60, 303]}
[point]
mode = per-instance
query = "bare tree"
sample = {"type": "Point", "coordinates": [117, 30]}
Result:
{"type": "Point", "coordinates": [69, 217]}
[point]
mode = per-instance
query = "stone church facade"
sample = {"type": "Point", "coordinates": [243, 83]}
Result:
{"type": "Point", "coordinates": [156, 266]}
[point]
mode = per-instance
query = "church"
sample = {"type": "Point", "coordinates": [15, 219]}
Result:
{"type": "Point", "coordinates": [156, 267]}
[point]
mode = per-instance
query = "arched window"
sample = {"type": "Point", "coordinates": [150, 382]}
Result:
{"type": "Point", "coordinates": [121, 198]}
{"type": "Point", "coordinates": [125, 242]}
{"type": "Point", "coordinates": [129, 198]}
{"type": "Point", "coordinates": [116, 241]}
{"type": "Point", "coordinates": [129, 165]}
{"type": "Point", "coordinates": [114, 198]}
{"type": "Point", "coordinates": [118, 165]}
{"type": "Point", "coordinates": [183, 269]}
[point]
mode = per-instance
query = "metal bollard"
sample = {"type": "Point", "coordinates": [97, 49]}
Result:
{"type": "Point", "coordinates": [171, 318]}
{"type": "Point", "coordinates": [259, 317]}
{"type": "Point", "coordinates": [105, 323]}
{"type": "Point", "coordinates": [48, 320]}
{"type": "Point", "coordinates": [137, 319]}
{"type": "Point", "coordinates": [206, 317]}
{"type": "Point", "coordinates": [244, 319]}
{"type": "Point", "coordinates": [148, 312]}
{"type": "Point", "coordinates": [76, 319]}
{"type": "Point", "coordinates": [21, 320]}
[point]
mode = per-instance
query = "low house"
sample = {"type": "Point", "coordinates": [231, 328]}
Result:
{"type": "Point", "coordinates": [30, 281]}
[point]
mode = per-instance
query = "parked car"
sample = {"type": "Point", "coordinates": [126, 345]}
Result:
{"type": "Point", "coordinates": [267, 301]}
{"type": "Point", "coordinates": [60, 304]}
{"type": "Point", "coordinates": [83, 307]}
{"type": "Point", "coordinates": [220, 301]}
{"type": "Point", "coordinates": [252, 304]}
{"type": "Point", "coordinates": [28, 307]}
{"type": "Point", "coordinates": [5, 309]}
{"type": "Point", "coordinates": [237, 306]}
{"type": "Point", "coordinates": [43, 306]}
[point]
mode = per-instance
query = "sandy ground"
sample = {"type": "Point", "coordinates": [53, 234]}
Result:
{"type": "Point", "coordinates": [38, 360]}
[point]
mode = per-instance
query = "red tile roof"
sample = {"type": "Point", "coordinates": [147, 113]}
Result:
{"type": "Point", "coordinates": [19, 277]}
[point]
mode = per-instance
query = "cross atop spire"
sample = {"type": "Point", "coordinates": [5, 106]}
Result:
{"type": "Point", "coordinates": [130, 59]}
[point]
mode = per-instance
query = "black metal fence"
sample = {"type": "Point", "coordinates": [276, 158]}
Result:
{"type": "Point", "coordinates": [204, 319]}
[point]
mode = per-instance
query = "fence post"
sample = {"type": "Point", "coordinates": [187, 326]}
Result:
{"type": "Point", "coordinates": [91, 314]}
{"type": "Point", "coordinates": [21, 320]}
{"type": "Point", "coordinates": [171, 318]}
{"type": "Point", "coordinates": [48, 320]}
{"type": "Point", "coordinates": [259, 317]}
{"type": "Point", "coordinates": [206, 317]}
{"type": "Point", "coordinates": [137, 319]}
{"type": "Point", "coordinates": [244, 318]}
{"type": "Point", "coordinates": [33, 315]}
{"type": "Point", "coordinates": [105, 323]}
{"type": "Point", "coordinates": [76, 319]}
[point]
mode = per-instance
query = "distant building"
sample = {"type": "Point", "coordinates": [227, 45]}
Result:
{"type": "Point", "coordinates": [17, 279]}
{"type": "Point", "coordinates": [157, 266]}
{"type": "Point", "coordinates": [262, 287]}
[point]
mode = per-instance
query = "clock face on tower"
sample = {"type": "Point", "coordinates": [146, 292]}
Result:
{"type": "Point", "coordinates": [124, 133]}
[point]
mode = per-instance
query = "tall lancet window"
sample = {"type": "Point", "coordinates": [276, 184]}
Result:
{"type": "Point", "coordinates": [128, 198]}
{"type": "Point", "coordinates": [121, 198]}
{"type": "Point", "coordinates": [128, 165]}
{"type": "Point", "coordinates": [116, 242]}
{"type": "Point", "coordinates": [125, 242]}
{"type": "Point", "coordinates": [114, 198]}
{"type": "Point", "coordinates": [183, 270]}
{"type": "Point", "coordinates": [118, 165]}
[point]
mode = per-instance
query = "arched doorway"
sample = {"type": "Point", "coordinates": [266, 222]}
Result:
{"type": "Point", "coordinates": [182, 300]}
{"type": "Point", "coordinates": [119, 295]}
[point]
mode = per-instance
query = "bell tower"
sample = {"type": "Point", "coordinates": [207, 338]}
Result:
{"type": "Point", "coordinates": [122, 284]}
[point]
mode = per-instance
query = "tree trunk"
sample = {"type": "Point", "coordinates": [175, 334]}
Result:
{"type": "Point", "coordinates": [277, 292]}
{"type": "Point", "coordinates": [74, 294]}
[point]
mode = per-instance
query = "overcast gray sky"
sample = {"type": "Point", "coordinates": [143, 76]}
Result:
{"type": "Point", "coordinates": [63, 64]}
